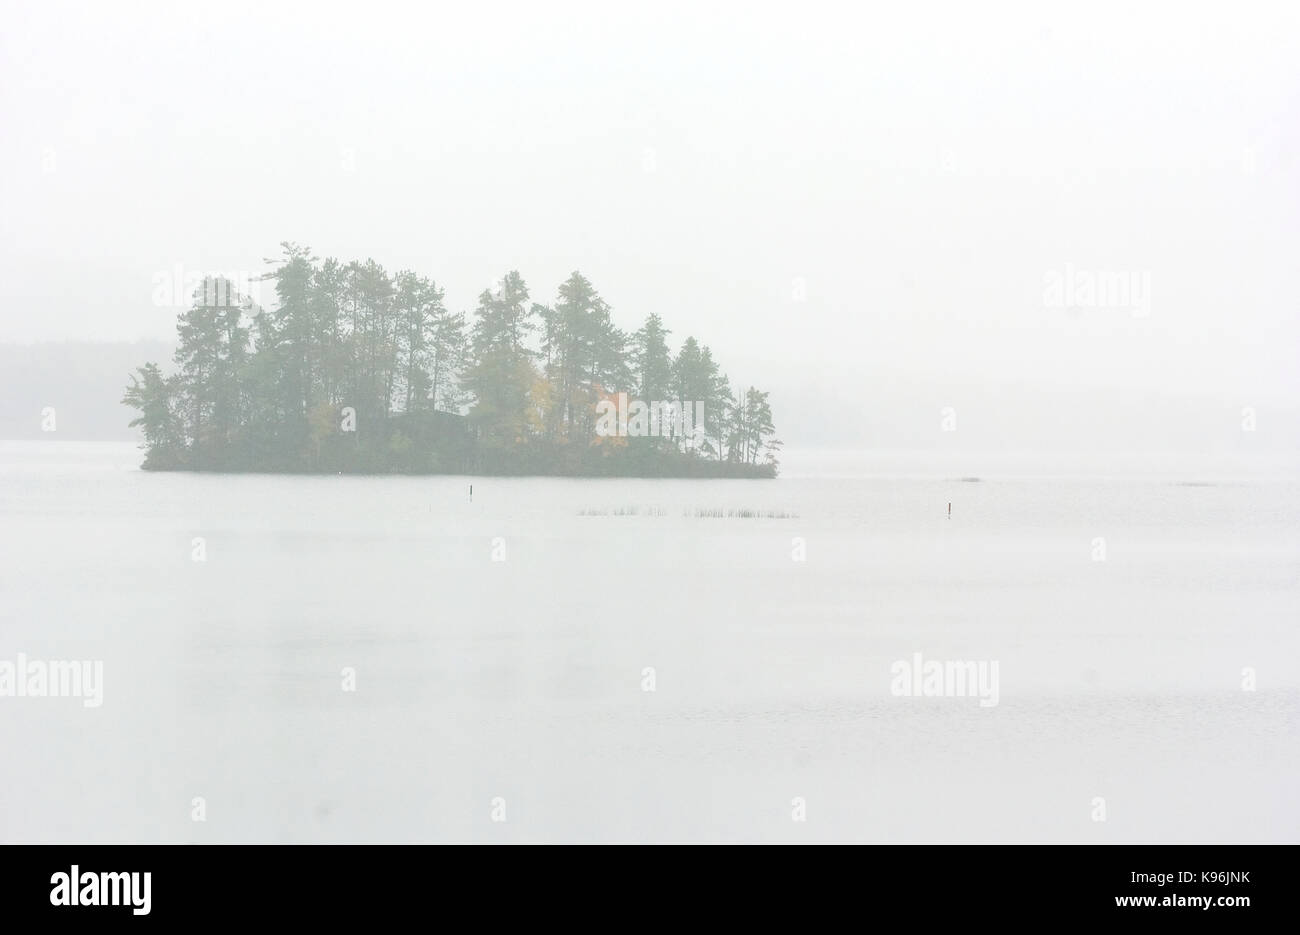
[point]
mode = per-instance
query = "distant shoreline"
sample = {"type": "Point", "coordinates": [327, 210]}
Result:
{"type": "Point", "coordinates": [759, 472]}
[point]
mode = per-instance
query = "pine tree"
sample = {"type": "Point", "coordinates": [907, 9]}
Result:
{"type": "Point", "coordinates": [651, 360]}
{"type": "Point", "coordinates": [585, 353]}
{"type": "Point", "coordinates": [155, 397]}
{"type": "Point", "coordinates": [500, 375]}
{"type": "Point", "coordinates": [450, 350]}
{"type": "Point", "coordinates": [418, 305]}
{"type": "Point", "coordinates": [211, 354]}
{"type": "Point", "coordinates": [292, 327]}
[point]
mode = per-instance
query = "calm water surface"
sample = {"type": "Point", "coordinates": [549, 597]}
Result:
{"type": "Point", "coordinates": [518, 683]}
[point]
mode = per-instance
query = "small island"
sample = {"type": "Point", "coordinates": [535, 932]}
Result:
{"type": "Point", "coordinates": [359, 371]}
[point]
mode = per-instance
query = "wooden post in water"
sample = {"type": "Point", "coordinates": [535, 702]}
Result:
{"type": "Point", "coordinates": [950, 509]}
{"type": "Point", "coordinates": [471, 495]}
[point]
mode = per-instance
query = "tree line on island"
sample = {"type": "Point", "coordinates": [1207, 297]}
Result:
{"type": "Point", "coordinates": [359, 370]}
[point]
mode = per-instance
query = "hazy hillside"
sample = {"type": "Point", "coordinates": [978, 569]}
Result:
{"type": "Point", "coordinates": [831, 409]}
{"type": "Point", "coordinates": [82, 381]}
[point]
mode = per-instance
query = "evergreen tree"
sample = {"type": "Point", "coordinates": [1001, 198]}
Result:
{"type": "Point", "coordinates": [329, 296]}
{"type": "Point", "coordinates": [450, 350]}
{"type": "Point", "coordinates": [418, 304]}
{"type": "Point", "coordinates": [651, 360]}
{"type": "Point", "coordinates": [750, 429]}
{"type": "Point", "coordinates": [500, 374]}
{"type": "Point", "coordinates": [292, 328]}
{"type": "Point", "coordinates": [372, 342]}
{"type": "Point", "coordinates": [211, 354]}
{"type": "Point", "coordinates": [695, 378]}
{"type": "Point", "coordinates": [155, 397]}
{"type": "Point", "coordinates": [584, 352]}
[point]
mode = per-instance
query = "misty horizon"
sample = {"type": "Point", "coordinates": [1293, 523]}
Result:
{"type": "Point", "coordinates": [596, 423]}
{"type": "Point", "coordinates": [784, 188]}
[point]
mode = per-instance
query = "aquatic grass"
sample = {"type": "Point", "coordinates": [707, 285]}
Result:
{"type": "Point", "coordinates": [742, 513]}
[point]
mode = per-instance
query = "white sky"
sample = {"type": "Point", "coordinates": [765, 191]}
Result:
{"type": "Point", "coordinates": [922, 168]}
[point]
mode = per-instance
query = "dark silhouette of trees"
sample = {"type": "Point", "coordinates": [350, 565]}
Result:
{"type": "Point", "coordinates": [358, 370]}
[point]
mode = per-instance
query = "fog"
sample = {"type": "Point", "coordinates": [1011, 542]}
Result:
{"type": "Point", "coordinates": [861, 208]}
{"type": "Point", "coordinates": [994, 310]}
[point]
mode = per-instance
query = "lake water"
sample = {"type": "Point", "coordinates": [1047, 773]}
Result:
{"type": "Point", "coordinates": [500, 650]}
